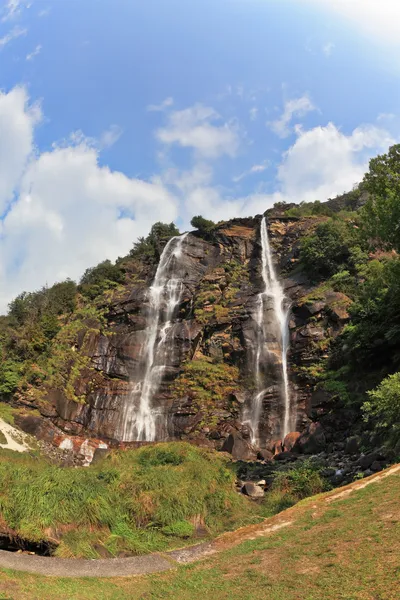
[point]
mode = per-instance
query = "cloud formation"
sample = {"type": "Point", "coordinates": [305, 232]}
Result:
{"type": "Point", "coordinates": [198, 128]}
{"type": "Point", "coordinates": [16, 32]}
{"type": "Point", "coordinates": [62, 211]}
{"type": "Point", "coordinates": [162, 106]}
{"type": "Point", "coordinates": [297, 107]}
{"type": "Point", "coordinates": [34, 52]}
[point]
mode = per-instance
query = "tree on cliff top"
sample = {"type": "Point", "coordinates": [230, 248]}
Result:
{"type": "Point", "coordinates": [381, 214]}
{"type": "Point", "coordinates": [151, 247]}
{"type": "Point", "coordinates": [202, 224]}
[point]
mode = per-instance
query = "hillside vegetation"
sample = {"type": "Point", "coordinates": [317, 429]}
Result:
{"type": "Point", "coordinates": [342, 550]}
{"type": "Point", "coordinates": [352, 249]}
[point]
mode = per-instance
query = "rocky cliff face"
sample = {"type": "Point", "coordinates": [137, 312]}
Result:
{"type": "Point", "coordinates": [208, 379]}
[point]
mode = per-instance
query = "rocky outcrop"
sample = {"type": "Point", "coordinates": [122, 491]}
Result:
{"type": "Point", "coordinates": [214, 325]}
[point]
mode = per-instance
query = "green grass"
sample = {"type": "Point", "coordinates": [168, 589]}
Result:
{"type": "Point", "coordinates": [133, 502]}
{"type": "Point", "coordinates": [344, 550]}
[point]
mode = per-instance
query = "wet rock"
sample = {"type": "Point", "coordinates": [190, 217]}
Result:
{"type": "Point", "coordinates": [238, 447]}
{"type": "Point", "coordinates": [252, 490]}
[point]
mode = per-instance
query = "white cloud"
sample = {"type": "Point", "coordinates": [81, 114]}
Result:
{"type": "Point", "coordinates": [322, 163]}
{"type": "Point", "coordinates": [68, 212]}
{"type": "Point", "coordinates": [65, 212]}
{"type": "Point", "coordinates": [298, 107]}
{"type": "Point", "coordinates": [195, 128]}
{"type": "Point", "coordinates": [254, 169]}
{"type": "Point", "coordinates": [11, 10]}
{"type": "Point", "coordinates": [379, 19]}
{"type": "Point", "coordinates": [16, 32]}
{"type": "Point", "coordinates": [253, 113]}
{"type": "Point", "coordinates": [328, 49]}
{"type": "Point", "coordinates": [160, 107]}
{"type": "Point", "coordinates": [44, 12]}
{"type": "Point", "coordinates": [17, 121]}
{"type": "Point", "coordinates": [109, 137]}
{"type": "Point", "coordinates": [34, 52]}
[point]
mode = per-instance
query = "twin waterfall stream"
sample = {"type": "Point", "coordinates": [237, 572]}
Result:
{"type": "Point", "coordinates": [273, 295]}
{"type": "Point", "coordinates": [140, 420]}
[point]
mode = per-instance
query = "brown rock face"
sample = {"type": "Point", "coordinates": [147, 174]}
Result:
{"type": "Point", "coordinates": [213, 325]}
{"type": "Point", "coordinates": [290, 441]}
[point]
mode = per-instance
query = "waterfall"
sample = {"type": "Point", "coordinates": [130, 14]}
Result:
{"type": "Point", "coordinates": [271, 294]}
{"type": "Point", "coordinates": [140, 420]}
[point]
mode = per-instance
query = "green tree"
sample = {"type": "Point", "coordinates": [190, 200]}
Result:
{"type": "Point", "coordinates": [97, 279]}
{"type": "Point", "coordinates": [151, 247]}
{"type": "Point", "coordinates": [203, 225]}
{"type": "Point", "coordinates": [329, 249]}
{"type": "Point", "coordinates": [383, 406]}
{"type": "Point", "coordinates": [380, 217]}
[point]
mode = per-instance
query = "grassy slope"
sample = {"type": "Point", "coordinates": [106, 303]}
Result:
{"type": "Point", "coordinates": [344, 550]}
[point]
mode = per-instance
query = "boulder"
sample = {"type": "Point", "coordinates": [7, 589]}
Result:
{"type": "Point", "coordinates": [352, 445]}
{"type": "Point", "coordinates": [285, 456]}
{"type": "Point", "coordinates": [290, 441]}
{"type": "Point", "coordinates": [311, 441]}
{"type": "Point", "coordinates": [376, 466]}
{"type": "Point", "coordinates": [240, 449]}
{"type": "Point", "coordinates": [368, 459]}
{"type": "Point", "coordinates": [265, 455]}
{"type": "Point", "coordinates": [252, 490]}
{"type": "Point", "coordinates": [99, 455]}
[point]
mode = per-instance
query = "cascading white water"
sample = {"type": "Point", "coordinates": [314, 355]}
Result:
{"type": "Point", "coordinates": [273, 291]}
{"type": "Point", "coordinates": [139, 421]}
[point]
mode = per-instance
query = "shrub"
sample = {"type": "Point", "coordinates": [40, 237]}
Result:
{"type": "Point", "coordinates": [150, 247]}
{"type": "Point", "coordinates": [383, 406]}
{"type": "Point", "coordinates": [100, 278]}
{"type": "Point", "coordinates": [297, 482]}
{"type": "Point", "coordinates": [203, 225]}
{"type": "Point", "coordinates": [329, 249]}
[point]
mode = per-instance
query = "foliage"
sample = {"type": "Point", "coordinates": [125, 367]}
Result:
{"type": "Point", "coordinates": [208, 384]}
{"type": "Point", "coordinates": [291, 485]}
{"type": "Point", "coordinates": [104, 276]}
{"type": "Point", "coordinates": [333, 247]}
{"type": "Point", "coordinates": [204, 226]}
{"type": "Point", "coordinates": [70, 362]}
{"type": "Point", "coordinates": [134, 501]}
{"type": "Point", "coordinates": [381, 214]}
{"type": "Point", "coordinates": [10, 377]}
{"type": "Point", "coordinates": [308, 209]}
{"type": "Point", "coordinates": [150, 247]}
{"type": "Point", "coordinates": [214, 300]}
{"type": "Point", "coordinates": [383, 406]}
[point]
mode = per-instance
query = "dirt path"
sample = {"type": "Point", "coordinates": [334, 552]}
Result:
{"type": "Point", "coordinates": [15, 438]}
{"type": "Point", "coordinates": [156, 563]}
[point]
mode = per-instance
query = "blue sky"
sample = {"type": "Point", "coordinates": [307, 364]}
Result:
{"type": "Point", "coordinates": [117, 113]}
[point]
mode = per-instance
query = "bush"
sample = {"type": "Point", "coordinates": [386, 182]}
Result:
{"type": "Point", "coordinates": [203, 225]}
{"type": "Point", "coordinates": [97, 280]}
{"type": "Point", "coordinates": [383, 406]}
{"type": "Point", "coordinates": [288, 487]}
{"type": "Point", "coordinates": [150, 247]}
{"type": "Point", "coordinates": [329, 249]}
